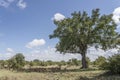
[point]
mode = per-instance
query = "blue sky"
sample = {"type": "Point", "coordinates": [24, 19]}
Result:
{"type": "Point", "coordinates": [25, 25]}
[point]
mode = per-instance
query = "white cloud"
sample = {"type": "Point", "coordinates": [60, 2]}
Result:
{"type": "Point", "coordinates": [41, 54]}
{"type": "Point", "coordinates": [49, 54]}
{"type": "Point", "coordinates": [9, 53]}
{"type": "Point", "coordinates": [36, 43]}
{"type": "Point", "coordinates": [6, 56]}
{"type": "Point", "coordinates": [10, 50]}
{"type": "Point", "coordinates": [58, 17]}
{"type": "Point", "coordinates": [92, 53]}
{"type": "Point", "coordinates": [3, 3]}
{"type": "Point", "coordinates": [111, 52]}
{"type": "Point", "coordinates": [21, 4]}
{"type": "Point", "coordinates": [116, 15]}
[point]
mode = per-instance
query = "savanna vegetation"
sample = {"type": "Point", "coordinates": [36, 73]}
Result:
{"type": "Point", "coordinates": [100, 69]}
{"type": "Point", "coordinates": [76, 34]}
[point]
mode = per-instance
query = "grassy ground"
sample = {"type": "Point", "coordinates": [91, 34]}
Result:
{"type": "Point", "coordinates": [78, 75]}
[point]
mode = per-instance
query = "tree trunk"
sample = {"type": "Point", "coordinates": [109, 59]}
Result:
{"type": "Point", "coordinates": [84, 62]}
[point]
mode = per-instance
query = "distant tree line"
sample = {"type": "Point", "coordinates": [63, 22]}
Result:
{"type": "Point", "coordinates": [18, 62]}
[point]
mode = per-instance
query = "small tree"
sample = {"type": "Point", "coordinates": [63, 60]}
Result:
{"type": "Point", "coordinates": [49, 62]}
{"type": "Point", "coordinates": [36, 62]}
{"type": "Point", "coordinates": [31, 64]}
{"type": "Point", "coordinates": [81, 31]}
{"type": "Point", "coordinates": [17, 61]}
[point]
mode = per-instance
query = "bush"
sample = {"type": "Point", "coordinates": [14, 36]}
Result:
{"type": "Point", "coordinates": [16, 62]}
{"type": "Point", "coordinates": [99, 61]}
{"type": "Point", "coordinates": [113, 64]}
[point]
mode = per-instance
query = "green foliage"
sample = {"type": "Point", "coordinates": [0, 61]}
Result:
{"type": "Point", "coordinates": [16, 62]}
{"type": "Point", "coordinates": [3, 64]}
{"type": "Point", "coordinates": [73, 61]}
{"type": "Point", "coordinates": [49, 62]}
{"type": "Point", "coordinates": [36, 60]}
{"type": "Point", "coordinates": [88, 61]}
{"type": "Point", "coordinates": [80, 31]}
{"type": "Point", "coordinates": [63, 63]}
{"type": "Point", "coordinates": [100, 61]}
{"type": "Point", "coordinates": [85, 30]}
{"type": "Point", "coordinates": [31, 63]}
{"type": "Point", "coordinates": [113, 64]}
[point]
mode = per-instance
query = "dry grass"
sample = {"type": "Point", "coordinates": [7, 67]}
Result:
{"type": "Point", "coordinates": [80, 75]}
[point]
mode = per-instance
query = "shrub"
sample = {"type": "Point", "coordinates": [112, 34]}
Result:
{"type": "Point", "coordinates": [113, 64]}
{"type": "Point", "coordinates": [16, 62]}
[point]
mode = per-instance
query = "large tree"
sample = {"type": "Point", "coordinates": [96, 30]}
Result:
{"type": "Point", "coordinates": [81, 31]}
